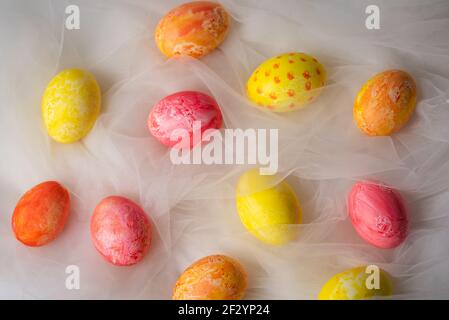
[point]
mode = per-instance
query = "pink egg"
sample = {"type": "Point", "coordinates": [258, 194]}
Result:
{"type": "Point", "coordinates": [174, 117]}
{"type": "Point", "coordinates": [120, 230]}
{"type": "Point", "coordinates": [378, 214]}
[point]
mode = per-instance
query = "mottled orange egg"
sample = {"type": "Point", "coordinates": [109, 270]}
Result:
{"type": "Point", "coordinates": [385, 103]}
{"type": "Point", "coordinates": [215, 277]}
{"type": "Point", "coordinates": [193, 29]}
{"type": "Point", "coordinates": [41, 213]}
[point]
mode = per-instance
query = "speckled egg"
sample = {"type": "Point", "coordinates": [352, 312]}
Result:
{"type": "Point", "coordinates": [358, 283]}
{"type": "Point", "coordinates": [268, 208]}
{"type": "Point", "coordinates": [180, 119]}
{"type": "Point", "coordinates": [215, 277]}
{"type": "Point", "coordinates": [70, 105]}
{"type": "Point", "coordinates": [378, 214]}
{"type": "Point", "coordinates": [120, 230]}
{"type": "Point", "coordinates": [193, 29]}
{"type": "Point", "coordinates": [286, 82]}
{"type": "Point", "coordinates": [385, 103]}
{"type": "Point", "coordinates": [41, 214]}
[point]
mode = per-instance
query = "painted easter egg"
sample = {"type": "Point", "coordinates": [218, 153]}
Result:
{"type": "Point", "coordinates": [385, 103]}
{"type": "Point", "coordinates": [193, 29]}
{"type": "Point", "coordinates": [286, 82]}
{"type": "Point", "coordinates": [358, 283]}
{"type": "Point", "coordinates": [70, 105]}
{"type": "Point", "coordinates": [120, 230]}
{"type": "Point", "coordinates": [268, 209]}
{"type": "Point", "coordinates": [41, 213]}
{"type": "Point", "coordinates": [378, 214]}
{"type": "Point", "coordinates": [180, 119]}
{"type": "Point", "coordinates": [215, 277]}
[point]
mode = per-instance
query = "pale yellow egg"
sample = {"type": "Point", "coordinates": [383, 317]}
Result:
{"type": "Point", "coordinates": [70, 105]}
{"type": "Point", "coordinates": [357, 283]}
{"type": "Point", "coordinates": [269, 209]}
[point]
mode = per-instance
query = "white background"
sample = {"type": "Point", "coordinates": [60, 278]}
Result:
{"type": "Point", "coordinates": [192, 208]}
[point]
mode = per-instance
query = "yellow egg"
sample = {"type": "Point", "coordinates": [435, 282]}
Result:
{"type": "Point", "coordinates": [286, 82]}
{"type": "Point", "coordinates": [215, 277]}
{"type": "Point", "coordinates": [267, 208]}
{"type": "Point", "coordinates": [357, 283]}
{"type": "Point", "coordinates": [70, 105]}
{"type": "Point", "coordinates": [385, 103]}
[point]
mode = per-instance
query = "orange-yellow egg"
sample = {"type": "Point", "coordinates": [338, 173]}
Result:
{"type": "Point", "coordinates": [385, 103]}
{"type": "Point", "coordinates": [193, 29]}
{"type": "Point", "coordinates": [286, 82]}
{"type": "Point", "coordinates": [215, 277]}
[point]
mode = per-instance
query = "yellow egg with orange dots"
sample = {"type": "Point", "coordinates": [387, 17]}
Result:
{"type": "Point", "coordinates": [286, 82]}
{"type": "Point", "coordinates": [385, 103]}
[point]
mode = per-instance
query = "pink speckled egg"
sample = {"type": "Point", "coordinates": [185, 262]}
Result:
{"type": "Point", "coordinates": [378, 214]}
{"type": "Point", "coordinates": [120, 230]}
{"type": "Point", "coordinates": [175, 118]}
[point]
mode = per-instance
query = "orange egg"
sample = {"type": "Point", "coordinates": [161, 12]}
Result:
{"type": "Point", "coordinates": [215, 277]}
{"type": "Point", "coordinates": [193, 29]}
{"type": "Point", "coordinates": [41, 213]}
{"type": "Point", "coordinates": [385, 103]}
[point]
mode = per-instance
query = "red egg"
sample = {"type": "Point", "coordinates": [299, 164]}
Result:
{"type": "Point", "coordinates": [179, 118]}
{"type": "Point", "coordinates": [378, 214]}
{"type": "Point", "coordinates": [41, 213]}
{"type": "Point", "coordinates": [121, 231]}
